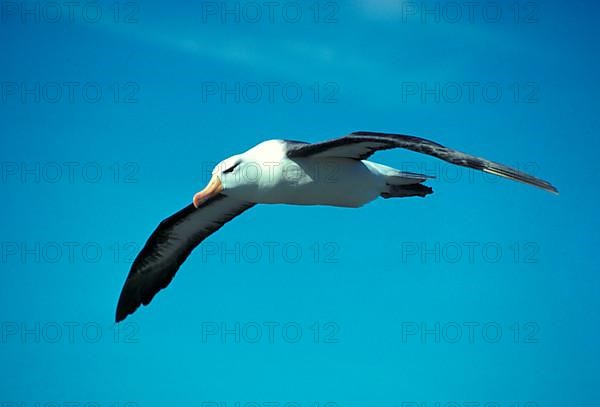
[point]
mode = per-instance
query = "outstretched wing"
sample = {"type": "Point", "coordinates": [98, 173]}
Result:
{"type": "Point", "coordinates": [168, 247]}
{"type": "Point", "coordinates": [361, 145]}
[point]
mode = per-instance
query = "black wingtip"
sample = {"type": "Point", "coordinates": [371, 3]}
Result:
{"type": "Point", "coordinates": [127, 303]}
{"type": "Point", "coordinates": [122, 312]}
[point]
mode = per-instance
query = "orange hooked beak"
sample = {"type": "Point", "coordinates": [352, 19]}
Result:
{"type": "Point", "coordinates": [213, 188]}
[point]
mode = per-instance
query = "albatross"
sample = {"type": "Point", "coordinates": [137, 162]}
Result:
{"type": "Point", "coordinates": [333, 173]}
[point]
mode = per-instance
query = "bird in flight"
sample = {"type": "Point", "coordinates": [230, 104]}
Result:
{"type": "Point", "coordinates": [334, 173]}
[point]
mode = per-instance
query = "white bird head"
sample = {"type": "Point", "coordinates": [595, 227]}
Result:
{"type": "Point", "coordinates": [219, 180]}
{"type": "Point", "coordinates": [226, 176]}
{"type": "Point", "coordinates": [241, 175]}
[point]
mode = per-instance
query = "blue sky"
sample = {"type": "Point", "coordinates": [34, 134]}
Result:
{"type": "Point", "coordinates": [85, 182]}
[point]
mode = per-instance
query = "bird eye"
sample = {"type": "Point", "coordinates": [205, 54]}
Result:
{"type": "Point", "coordinates": [230, 169]}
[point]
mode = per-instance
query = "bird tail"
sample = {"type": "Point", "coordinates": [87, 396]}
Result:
{"type": "Point", "coordinates": [404, 191]}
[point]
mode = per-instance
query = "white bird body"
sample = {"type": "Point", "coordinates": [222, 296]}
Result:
{"type": "Point", "coordinates": [268, 176]}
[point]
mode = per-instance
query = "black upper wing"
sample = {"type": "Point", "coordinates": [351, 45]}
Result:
{"type": "Point", "coordinates": [168, 247]}
{"type": "Point", "coordinates": [361, 145]}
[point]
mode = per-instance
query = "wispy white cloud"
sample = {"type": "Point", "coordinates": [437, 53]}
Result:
{"type": "Point", "coordinates": [308, 57]}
